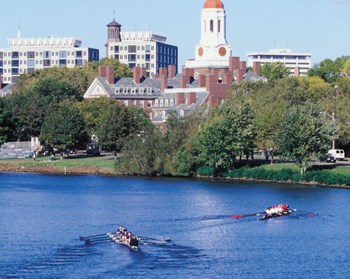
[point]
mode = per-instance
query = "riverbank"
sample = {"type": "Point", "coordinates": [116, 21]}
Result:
{"type": "Point", "coordinates": [326, 176]}
{"type": "Point", "coordinates": [72, 165]}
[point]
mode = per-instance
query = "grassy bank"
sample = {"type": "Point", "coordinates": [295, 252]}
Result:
{"type": "Point", "coordinates": [339, 176]}
{"type": "Point", "coordinates": [70, 165]}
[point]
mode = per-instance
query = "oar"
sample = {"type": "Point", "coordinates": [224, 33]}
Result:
{"type": "Point", "coordinates": [152, 238]}
{"type": "Point", "coordinates": [239, 216]}
{"type": "Point", "coordinates": [92, 236]}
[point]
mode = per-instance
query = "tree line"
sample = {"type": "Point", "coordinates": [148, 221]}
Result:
{"type": "Point", "coordinates": [287, 114]}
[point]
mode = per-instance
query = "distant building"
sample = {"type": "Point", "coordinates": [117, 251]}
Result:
{"type": "Point", "coordinates": [28, 55]}
{"type": "Point", "coordinates": [298, 63]}
{"type": "Point", "coordinates": [206, 81]}
{"type": "Point", "coordinates": [140, 49]}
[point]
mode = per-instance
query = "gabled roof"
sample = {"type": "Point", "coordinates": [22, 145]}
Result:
{"type": "Point", "coordinates": [99, 88]}
{"type": "Point", "coordinates": [251, 76]}
{"type": "Point", "coordinates": [6, 89]}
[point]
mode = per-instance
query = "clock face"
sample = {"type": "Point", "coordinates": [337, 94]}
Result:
{"type": "Point", "coordinates": [222, 51]}
{"type": "Point", "coordinates": [200, 51]}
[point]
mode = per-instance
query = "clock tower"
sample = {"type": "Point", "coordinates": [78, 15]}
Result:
{"type": "Point", "coordinates": [212, 50]}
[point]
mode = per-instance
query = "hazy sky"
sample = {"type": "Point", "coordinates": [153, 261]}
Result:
{"type": "Point", "coordinates": [317, 26]}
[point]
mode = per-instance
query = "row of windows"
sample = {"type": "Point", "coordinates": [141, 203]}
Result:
{"type": "Point", "coordinates": [134, 91]}
{"type": "Point", "coordinates": [132, 48]}
{"type": "Point", "coordinates": [134, 57]}
{"type": "Point", "coordinates": [167, 50]}
{"type": "Point", "coordinates": [167, 60]}
{"type": "Point", "coordinates": [45, 62]}
{"type": "Point", "coordinates": [45, 54]}
{"type": "Point", "coordinates": [281, 57]}
{"type": "Point", "coordinates": [141, 103]}
{"type": "Point", "coordinates": [164, 103]}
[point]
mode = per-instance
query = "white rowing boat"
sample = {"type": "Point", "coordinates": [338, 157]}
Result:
{"type": "Point", "coordinates": [116, 239]}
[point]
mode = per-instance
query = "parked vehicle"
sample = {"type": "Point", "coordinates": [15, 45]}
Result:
{"type": "Point", "coordinates": [338, 154]}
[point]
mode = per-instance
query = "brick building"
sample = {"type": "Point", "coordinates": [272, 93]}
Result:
{"type": "Point", "coordinates": [205, 81]}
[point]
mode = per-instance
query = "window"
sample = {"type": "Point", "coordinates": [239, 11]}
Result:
{"type": "Point", "coordinates": [46, 54]}
{"type": "Point", "coordinates": [142, 103]}
{"type": "Point", "coordinates": [132, 57]}
{"type": "Point", "coordinates": [15, 63]}
{"type": "Point", "coordinates": [1, 55]}
{"type": "Point", "coordinates": [15, 54]}
{"type": "Point", "coordinates": [148, 57]}
{"type": "Point", "coordinates": [31, 54]}
{"type": "Point", "coordinates": [132, 65]}
{"type": "Point", "coordinates": [31, 63]}
{"type": "Point", "coordinates": [219, 26]}
{"type": "Point", "coordinates": [79, 62]}
{"type": "Point", "coordinates": [15, 71]}
{"type": "Point", "coordinates": [147, 48]}
{"type": "Point", "coordinates": [62, 54]}
{"type": "Point", "coordinates": [63, 62]}
{"type": "Point", "coordinates": [79, 54]}
{"type": "Point", "coordinates": [47, 63]}
{"type": "Point", "coordinates": [212, 26]}
{"type": "Point", "coordinates": [116, 49]}
{"type": "Point", "coordinates": [132, 49]}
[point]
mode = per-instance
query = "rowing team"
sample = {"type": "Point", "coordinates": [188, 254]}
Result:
{"type": "Point", "coordinates": [127, 237]}
{"type": "Point", "coordinates": [278, 209]}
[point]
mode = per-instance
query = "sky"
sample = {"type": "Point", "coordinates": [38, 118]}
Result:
{"type": "Point", "coordinates": [316, 26]}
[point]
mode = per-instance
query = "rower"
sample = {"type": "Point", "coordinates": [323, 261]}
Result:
{"type": "Point", "coordinates": [134, 241]}
{"type": "Point", "coordinates": [120, 231]}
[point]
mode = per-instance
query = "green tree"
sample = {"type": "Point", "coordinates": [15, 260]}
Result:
{"type": "Point", "coordinates": [117, 124]}
{"type": "Point", "coordinates": [274, 71]}
{"type": "Point", "coordinates": [93, 109]}
{"type": "Point", "coordinates": [64, 128]}
{"type": "Point", "coordinates": [4, 123]}
{"type": "Point", "coordinates": [29, 109]}
{"type": "Point", "coordinates": [143, 154]}
{"type": "Point", "coordinates": [228, 134]}
{"type": "Point", "coordinates": [328, 69]}
{"type": "Point", "coordinates": [305, 134]}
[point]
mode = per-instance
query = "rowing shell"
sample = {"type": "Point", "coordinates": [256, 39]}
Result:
{"type": "Point", "coordinates": [266, 217]}
{"type": "Point", "coordinates": [116, 239]}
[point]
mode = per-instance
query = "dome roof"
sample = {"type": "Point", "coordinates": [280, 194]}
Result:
{"type": "Point", "coordinates": [213, 4]}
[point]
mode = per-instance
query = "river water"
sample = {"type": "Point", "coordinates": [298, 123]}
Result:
{"type": "Point", "coordinates": [42, 217]}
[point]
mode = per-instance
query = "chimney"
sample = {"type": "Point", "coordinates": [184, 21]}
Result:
{"type": "Point", "coordinates": [180, 98]}
{"type": "Point", "coordinates": [172, 71]}
{"type": "Point", "coordinates": [239, 75]}
{"type": "Point", "coordinates": [256, 68]}
{"type": "Point", "coordinates": [183, 82]}
{"type": "Point", "coordinates": [243, 66]}
{"type": "Point", "coordinates": [192, 98]}
{"type": "Point", "coordinates": [106, 72]}
{"type": "Point", "coordinates": [201, 81]}
{"type": "Point", "coordinates": [233, 63]}
{"type": "Point", "coordinates": [164, 82]}
{"type": "Point", "coordinates": [297, 71]}
{"type": "Point", "coordinates": [138, 74]}
{"type": "Point", "coordinates": [110, 75]}
{"type": "Point", "coordinates": [162, 72]}
{"type": "Point", "coordinates": [102, 72]}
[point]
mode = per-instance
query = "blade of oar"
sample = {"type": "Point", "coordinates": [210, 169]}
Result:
{"type": "Point", "coordinates": [239, 216]}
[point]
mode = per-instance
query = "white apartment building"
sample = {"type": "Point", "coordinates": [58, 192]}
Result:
{"type": "Point", "coordinates": [140, 49]}
{"type": "Point", "coordinates": [26, 55]}
{"type": "Point", "coordinates": [291, 60]}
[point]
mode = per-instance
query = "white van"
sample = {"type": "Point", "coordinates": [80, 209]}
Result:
{"type": "Point", "coordinates": [338, 154]}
